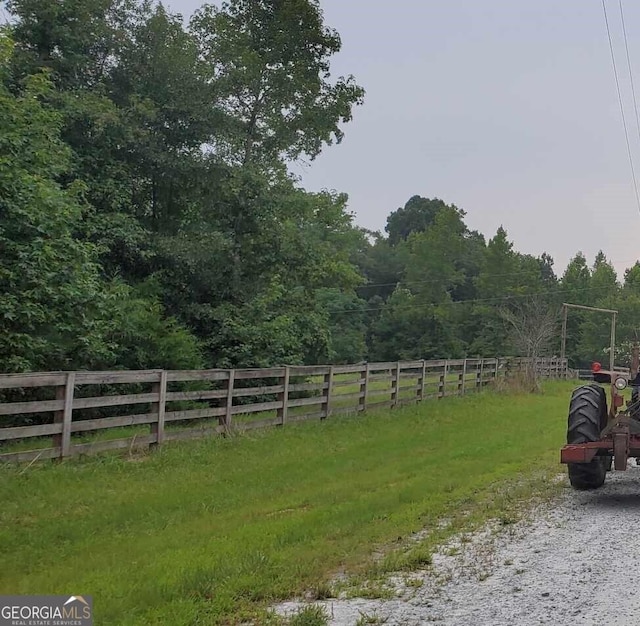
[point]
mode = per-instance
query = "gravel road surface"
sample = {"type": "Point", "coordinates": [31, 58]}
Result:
{"type": "Point", "coordinates": [577, 561]}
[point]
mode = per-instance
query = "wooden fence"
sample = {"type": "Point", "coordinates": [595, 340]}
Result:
{"type": "Point", "coordinates": [62, 414]}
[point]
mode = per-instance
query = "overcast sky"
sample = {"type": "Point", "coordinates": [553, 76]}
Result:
{"type": "Point", "coordinates": [504, 108]}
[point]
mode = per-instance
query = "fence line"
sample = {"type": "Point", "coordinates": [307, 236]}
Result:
{"type": "Point", "coordinates": [71, 404]}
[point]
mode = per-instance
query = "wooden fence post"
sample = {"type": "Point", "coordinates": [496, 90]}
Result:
{"type": "Point", "coordinates": [442, 387]}
{"type": "Point", "coordinates": [463, 386]}
{"type": "Point", "coordinates": [421, 382]}
{"type": "Point", "coordinates": [226, 420]}
{"type": "Point", "coordinates": [364, 388]}
{"type": "Point", "coordinates": [479, 374]}
{"type": "Point", "coordinates": [395, 386]}
{"type": "Point", "coordinates": [284, 398]}
{"type": "Point", "coordinates": [159, 407]}
{"type": "Point", "coordinates": [64, 417]}
{"type": "Point", "coordinates": [464, 377]}
{"type": "Point", "coordinates": [58, 417]}
{"type": "Point", "coordinates": [326, 405]}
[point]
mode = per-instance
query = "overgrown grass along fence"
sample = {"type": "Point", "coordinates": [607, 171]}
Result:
{"type": "Point", "coordinates": [63, 408]}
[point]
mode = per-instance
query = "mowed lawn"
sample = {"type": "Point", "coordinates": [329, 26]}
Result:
{"type": "Point", "coordinates": [211, 532]}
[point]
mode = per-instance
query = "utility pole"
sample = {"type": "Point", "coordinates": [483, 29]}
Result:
{"type": "Point", "coordinates": [563, 348]}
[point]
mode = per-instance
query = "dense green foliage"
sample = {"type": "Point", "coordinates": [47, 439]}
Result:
{"type": "Point", "coordinates": [149, 217]}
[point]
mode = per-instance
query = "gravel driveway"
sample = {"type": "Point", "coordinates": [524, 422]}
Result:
{"type": "Point", "coordinates": [575, 562]}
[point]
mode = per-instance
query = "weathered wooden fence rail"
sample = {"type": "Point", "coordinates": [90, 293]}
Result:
{"type": "Point", "coordinates": [174, 405]}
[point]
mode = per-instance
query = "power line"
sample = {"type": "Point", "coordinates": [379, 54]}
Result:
{"type": "Point", "coordinates": [533, 273]}
{"type": "Point", "coordinates": [626, 47]}
{"type": "Point", "coordinates": [494, 300]}
{"type": "Point", "coordinates": [624, 120]}
{"type": "Point", "coordinates": [404, 283]}
{"type": "Point", "coordinates": [6, 15]}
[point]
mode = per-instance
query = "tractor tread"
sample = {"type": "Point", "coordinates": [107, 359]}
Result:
{"type": "Point", "coordinates": [587, 418]}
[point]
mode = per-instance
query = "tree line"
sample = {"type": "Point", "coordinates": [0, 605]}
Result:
{"type": "Point", "coordinates": [148, 216]}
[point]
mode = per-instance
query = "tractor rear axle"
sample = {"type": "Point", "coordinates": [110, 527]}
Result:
{"type": "Point", "coordinates": [621, 445]}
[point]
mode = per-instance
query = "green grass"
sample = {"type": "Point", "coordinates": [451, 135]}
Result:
{"type": "Point", "coordinates": [213, 531]}
{"type": "Point", "coordinates": [311, 615]}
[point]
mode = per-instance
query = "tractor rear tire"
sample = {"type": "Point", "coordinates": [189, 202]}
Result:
{"type": "Point", "coordinates": [587, 418]}
{"type": "Point", "coordinates": [634, 410]}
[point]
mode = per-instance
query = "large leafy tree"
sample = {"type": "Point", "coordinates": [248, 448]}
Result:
{"type": "Point", "coordinates": [78, 40]}
{"type": "Point", "coordinates": [274, 247]}
{"type": "Point", "coordinates": [166, 117]}
{"type": "Point", "coordinates": [193, 205]}
{"type": "Point", "coordinates": [383, 265]}
{"type": "Point", "coordinates": [420, 308]}
{"type": "Point", "coordinates": [57, 311]}
{"type": "Point", "coordinates": [49, 280]}
{"type": "Point", "coordinates": [415, 217]}
{"type": "Point", "coordinates": [433, 261]}
{"type": "Point", "coordinates": [408, 328]}
{"type": "Point", "coordinates": [347, 323]}
{"type": "Point", "coordinates": [269, 62]}
{"type": "Point", "coordinates": [497, 279]}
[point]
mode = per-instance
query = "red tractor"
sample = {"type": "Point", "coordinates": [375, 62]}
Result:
{"type": "Point", "coordinates": [599, 437]}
